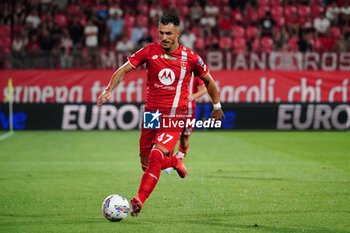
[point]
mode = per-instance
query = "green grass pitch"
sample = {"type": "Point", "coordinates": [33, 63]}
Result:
{"type": "Point", "coordinates": [55, 181]}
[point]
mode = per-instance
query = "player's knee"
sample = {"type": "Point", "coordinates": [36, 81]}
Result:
{"type": "Point", "coordinates": [144, 163]}
{"type": "Point", "coordinates": [144, 166]}
{"type": "Point", "coordinates": [161, 148]}
{"type": "Point", "coordinates": [157, 155]}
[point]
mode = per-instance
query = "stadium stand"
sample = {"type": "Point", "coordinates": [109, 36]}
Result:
{"type": "Point", "coordinates": [31, 30]}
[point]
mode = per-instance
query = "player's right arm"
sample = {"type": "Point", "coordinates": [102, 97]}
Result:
{"type": "Point", "coordinates": [134, 61]}
{"type": "Point", "coordinates": [117, 77]}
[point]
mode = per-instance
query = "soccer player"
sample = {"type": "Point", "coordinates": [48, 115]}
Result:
{"type": "Point", "coordinates": [169, 68]}
{"type": "Point", "coordinates": [197, 89]}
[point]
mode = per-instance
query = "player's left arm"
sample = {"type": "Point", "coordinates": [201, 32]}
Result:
{"type": "Point", "coordinates": [210, 85]}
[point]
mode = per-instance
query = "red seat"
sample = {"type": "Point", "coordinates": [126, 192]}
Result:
{"type": "Point", "coordinates": [256, 45]}
{"type": "Point", "coordinates": [239, 45]}
{"type": "Point", "coordinates": [5, 50]}
{"type": "Point", "coordinates": [335, 31]}
{"type": "Point", "coordinates": [61, 19]}
{"type": "Point", "coordinates": [293, 44]}
{"type": "Point", "coordinates": [213, 41]}
{"type": "Point", "coordinates": [304, 10]}
{"type": "Point", "coordinates": [73, 9]}
{"type": "Point", "coordinates": [46, 17]}
{"type": "Point", "coordinates": [225, 42]}
{"type": "Point", "coordinates": [237, 16]}
{"type": "Point", "coordinates": [316, 2]}
{"type": "Point", "coordinates": [264, 3]}
{"type": "Point", "coordinates": [128, 31]}
{"type": "Point", "coordinates": [262, 11]}
{"type": "Point", "coordinates": [238, 31]}
{"type": "Point", "coordinates": [280, 21]}
{"type": "Point", "coordinates": [5, 30]}
{"type": "Point", "coordinates": [196, 30]}
{"type": "Point", "coordinates": [266, 44]}
{"type": "Point", "coordinates": [82, 19]}
{"type": "Point", "coordinates": [289, 10]}
{"type": "Point", "coordinates": [180, 3]}
{"type": "Point", "coordinates": [316, 10]}
{"type": "Point", "coordinates": [143, 9]}
{"type": "Point", "coordinates": [276, 30]}
{"type": "Point", "coordinates": [277, 11]}
{"type": "Point", "coordinates": [319, 44]}
{"type": "Point", "coordinates": [5, 42]}
{"type": "Point", "coordinates": [199, 44]}
{"type": "Point", "coordinates": [306, 22]}
{"type": "Point", "coordinates": [129, 21]}
{"type": "Point", "coordinates": [87, 3]}
{"type": "Point", "coordinates": [184, 10]}
{"type": "Point", "coordinates": [276, 3]}
{"type": "Point", "coordinates": [251, 14]}
{"type": "Point", "coordinates": [143, 19]}
{"type": "Point", "coordinates": [252, 32]}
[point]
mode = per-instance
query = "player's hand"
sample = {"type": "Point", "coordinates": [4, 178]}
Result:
{"type": "Point", "coordinates": [190, 98]}
{"type": "Point", "coordinates": [104, 97]}
{"type": "Point", "coordinates": [217, 114]}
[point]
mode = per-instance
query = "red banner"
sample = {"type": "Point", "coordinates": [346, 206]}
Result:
{"type": "Point", "coordinates": [76, 86]}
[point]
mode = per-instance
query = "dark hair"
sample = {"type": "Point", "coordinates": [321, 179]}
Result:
{"type": "Point", "coordinates": [166, 19]}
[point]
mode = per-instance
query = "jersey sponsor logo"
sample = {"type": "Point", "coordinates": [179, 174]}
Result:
{"type": "Point", "coordinates": [155, 57]}
{"type": "Point", "coordinates": [166, 56]}
{"type": "Point", "coordinates": [170, 88]}
{"type": "Point", "coordinates": [166, 76]}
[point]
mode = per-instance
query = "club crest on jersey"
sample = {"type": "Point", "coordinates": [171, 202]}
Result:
{"type": "Point", "coordinates": [166, 76]}
{"type": "Point", "coordinates": [183, 63]}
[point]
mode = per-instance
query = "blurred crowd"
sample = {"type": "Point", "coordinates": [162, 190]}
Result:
{"type": "Point", "coordinates": [71, 32]}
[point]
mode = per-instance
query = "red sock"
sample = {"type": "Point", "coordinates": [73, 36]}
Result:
{"type": "Point", "coordinates": [170, 161]}
{"type": "Point", "coordinates": [183, 149]}
{"type": "Point", "coordinates": [150, 177]}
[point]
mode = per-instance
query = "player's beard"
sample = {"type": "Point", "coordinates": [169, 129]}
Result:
{"type": "Point", "coordinates": [168, 45]}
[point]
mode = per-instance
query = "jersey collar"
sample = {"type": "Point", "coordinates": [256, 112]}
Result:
{"type": "Point", "coordinates": [176, 51]}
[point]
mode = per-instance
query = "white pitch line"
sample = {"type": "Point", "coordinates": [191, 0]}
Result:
{"type": "Point", "coordinates": [6, 135]}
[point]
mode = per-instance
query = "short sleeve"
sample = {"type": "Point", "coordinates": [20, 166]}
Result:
{"type": "Point", "coordinates": [139, 57]}
{"type": "Point", "coordinates": [199, 68]}
{"type": "Point", "coordinates": [199, 82]}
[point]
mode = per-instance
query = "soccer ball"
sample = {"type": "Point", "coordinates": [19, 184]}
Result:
{"type": "Point", "coordinates": [115, 207]}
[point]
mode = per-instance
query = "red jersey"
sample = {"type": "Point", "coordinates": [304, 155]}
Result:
{"type": "Point", "coordinates": [168, 76]}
